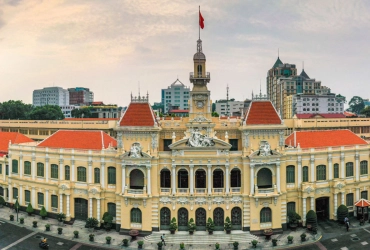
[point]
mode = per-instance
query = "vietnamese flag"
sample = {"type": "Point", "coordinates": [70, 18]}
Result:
{"type": "Point", "coordinates": [201, 20]}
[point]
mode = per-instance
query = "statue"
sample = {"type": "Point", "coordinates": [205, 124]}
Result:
{"type": "Point", "coordinates": [265, 149]}
{"type": "Point", "coordinates": [135, 150]}
{"type": "Point", "coordinates": [196, 139]}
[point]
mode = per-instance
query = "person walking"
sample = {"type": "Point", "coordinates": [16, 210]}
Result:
{"type": "Point", "coordinates": [347, 225]}
{"type": "Point", "coordinates": [162, 239]}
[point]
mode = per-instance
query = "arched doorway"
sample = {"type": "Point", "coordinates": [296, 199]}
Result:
{"type": "Point", "coordinates": [81, 209]}
{"type": "Point", "coordinates": [165, 218]}
{"type": "Point", "coordinates": [136, 215]}
{"type": "Point", "coordinates": [200, 219]}
{"type": "Point", "coordinates": [218, 219]}
{"type": "Point", "coordinates": [236, 218]}
{"type": "Point", "coordinates": [136, 179]}
{"type": "Point", "coordinates": [322, 208]}
{"type": "Point", "coordinates": [182, 217]}
{"type": "Point", "coordinates": [264, 178]}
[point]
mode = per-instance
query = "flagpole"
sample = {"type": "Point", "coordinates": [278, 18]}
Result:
{"type": "Point", "coordinates": [199, 21]}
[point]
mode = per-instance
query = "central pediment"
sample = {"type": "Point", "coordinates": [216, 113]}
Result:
{"type": "Point", "coordinates": [187, 144]}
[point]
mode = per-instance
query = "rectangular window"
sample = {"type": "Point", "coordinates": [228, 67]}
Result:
{"type": "Point", "coordinates": [234, 144]}
{"type": "Point", "coordinates": [291, 207]}
{"type": "Point", "coordinates": [349, 200]}
{"type": "Point", "coordinates": [15, 166]}
{"type": "Point", "coordinates": [27, 167]}
{"type": "Point", "coordinates": [81, 174]}
{"type": "Point", "coordinates": [54, 201]}
{"type": "Point", "coordinates": [321, 172]}
{"type": "Point", "coordinates": [40, 198]}
{"type": "Point", "coordinates": [111, 175]}
{"type": "Point", "coordinates": [96, 175]}
{"type": "Point", "coordinates": [6, 170]}
{"type": "Point", "coordinates": [305, 174]}
{"type": "Point", "coordinates": [54, 171]}
{"type": "Point", "coordinates": [15, 193]}
{"type": "Point", "coordinates": [363, 167]}
{"type": "Point", "coordinates": [67, 173]}
{"type": "Point", "coordinates": [166, 143]}
{"type": "Point", "coordinates": [349, 169]}
{"type": "Point", "coordinates": [364, 195]}
{"type": "Point", "coordinates": [27, 196]}
{"type": "Point", "coordinates": [1, 168]}
{"type": "Point", "coordinates": [112, 209]}
{"type": "Point", "coordinates": [290, 175]}
{"type": "Point", "coordinates": [336, 170]}
{"type": "Point", "coordinates": [40, 169]}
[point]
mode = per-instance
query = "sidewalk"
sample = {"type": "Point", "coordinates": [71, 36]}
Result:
{"type": "Point", "coordinates": [116, 242]}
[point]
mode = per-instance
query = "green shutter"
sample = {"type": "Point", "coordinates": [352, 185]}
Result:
{"type": "Point", "coordinates": [15, 166]}
{"type": "Point", "coordinates": [67, 173]}
{"type": "Point", "coordinates": [54, 201]}
{"type": "Point", "coordinates": [54, 171]}
{"type": "Point", "coordinates": [27, 196]}
{"type": "Point", "coordinates": [96, 175]}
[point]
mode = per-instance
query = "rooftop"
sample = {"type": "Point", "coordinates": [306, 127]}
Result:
{"type": "Point", "coordinates": [14, 137]}
{"type": "Point", "coordinates": [262, 113]}
{"type": "Point", "coordinates": [138, 114]}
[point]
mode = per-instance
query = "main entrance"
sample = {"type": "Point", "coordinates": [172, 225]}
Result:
{"type": "Point", "coordinates": [200, 219]}
{"type": "Point", "coordinates": [165, 218]}
{"type": "Point", "coordinates": [218, 218]}
{"type": "Point", "coordinates": [80, 209]}
{"type": "Point", "coordinates": [236, 218]}
{"type": "Point", "coordinates": [322, 208]}
{"type": "Point", "coordinates": [183, 216]}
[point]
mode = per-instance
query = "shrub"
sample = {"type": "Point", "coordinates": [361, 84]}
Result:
{"type": "Point", "coordinates": [217, 245]}
{"type": "Point", "coordinates": [182, 245]}
{"type": "Point", "coordinates": [235, 244]}
{"type": "Point", "coordinates": [75, 232]}
{"type": "Point", "coordinates": [290, 238]}
{"type": "Point", "coordinates": [159, 244]}
{"type": "Point", "coordinates": [227, 224]}
{"type": "Point", "coordinates": [43, 212]}
{"type": "Point", "coordinates": [191, 225]}
{"type": "Point", "coordinates": [34, 223]}
{"type": "Point", "coordinates": [60, 230]}
{"type": "Point", "coordinates": [91, 222]}
{"type": "Point", "coordinates": [342, 212]}
{"type": "Point", "coordinates": [2, 201]}
{"type": "Point", "coordinates": [140, 242]}
{"type": "Point", "coordinates": [21, 220]}
{"type": "Point", "coordinates": [311, 218]}
{"type": "Point", "coordinates": [107, 217]}
{"type": "Point", "coordinates": [293, 217]}
{"type": "Point", "coordinates": [173, 224]}
{"type": "Point", "coordinates": [125, 242]}
{"type": "Point", "coordinates": [61, 217]}
{"type": "Point", "coordinates": [108, 238]}
{"type": "Point", "coordinates": [11, 217]}
{"type": "Point", "coordinates": [29, 209]}
{"type": "Point", "coordinates": [210, 225]}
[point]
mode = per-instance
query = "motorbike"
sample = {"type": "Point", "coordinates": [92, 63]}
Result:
{"type": "Point", "coordinates": [44, 245]}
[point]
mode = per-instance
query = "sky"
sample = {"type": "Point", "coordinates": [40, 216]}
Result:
{"type": "Point", "coordinates": [115, 46]}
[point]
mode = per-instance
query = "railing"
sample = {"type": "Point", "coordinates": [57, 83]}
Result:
{"type": "Point", "coordinates": [135, 191]}
{"type": "Point", "coordinates": [218, 190]}
{"type": "Point", "coordinates": [136, 225]}
{"type": "Point", "coordinates": [200, 190]}
{"type": "Point", "coordinates": [265, 225]}
{"type": "Point", "coordinates": [165, 190]}
{"type": "Point", "coordinates": [235, 190]}
{"type": "Point", "coordinates": [265, 190]}
{"type": "Point", "coordinates": [54, 209]}
{"type": "Point", "coordinates": [183, 190]}
{"type": "Point", "coordinates": [206, 76]}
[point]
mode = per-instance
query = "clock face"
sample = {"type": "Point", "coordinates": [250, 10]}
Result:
{"type": "Point", "coordinates": [200, 104]}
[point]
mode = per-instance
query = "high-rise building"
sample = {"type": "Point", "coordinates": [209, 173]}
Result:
{"type": "Point", "coordinates": [50, 96]}
{"type": "Point", "coordinates": [229, 108]}
{"type": "Point", "coordinates": [80, 96]}
{"type": "Point", "coordinates": [175, 95]}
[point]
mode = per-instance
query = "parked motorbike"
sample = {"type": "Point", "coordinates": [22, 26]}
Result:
{"type": "Point", "coordinates": [44, 245]}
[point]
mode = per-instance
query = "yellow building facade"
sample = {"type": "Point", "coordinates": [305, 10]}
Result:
{"type": "Point", "coordinates": [196, 167]}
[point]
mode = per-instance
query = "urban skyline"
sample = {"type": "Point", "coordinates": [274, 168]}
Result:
{"type": "Point", "coordinates": [111, 47]}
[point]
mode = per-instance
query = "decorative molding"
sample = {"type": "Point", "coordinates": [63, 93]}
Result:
{"type": "Point", "coordinates": [200, 201]}
{"type": "Point", "coordinates": [182, 201]}
{"type": "Point", "coordinates": [165, 200]}
{"type": "Point", "coordinates": [309, 189]}
{"type": "Point", "coordinates": [197, 139]}
{"type": "Point", "coordinates": [322, 190]}
{"type": "Point", "coordinates": [79, 191]}
{"type": "Point", "coordinates": [94, 191]}
{"type": "Point", "coordinates": [218, 200]}
{"type": "Point", "coordinates": [135, 150]}
{"type": "Point", "coordinates": [340, 185]}
{"type": "Point", "coordinates": [177, 152]}
{"type": "Point", "coordinates": [154, 140]}
{"type": "Point", "coordinates": [236, 199]}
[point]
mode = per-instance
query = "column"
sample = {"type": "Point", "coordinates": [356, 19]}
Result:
{"type": "Point", "coordinates": [342, 195]}
{"type": "Point", "coordinates": [61, 171]}
{"type": "Point", "coordinates": [73, 169]}
{"type": "Point", "coordinates": [313, 203]}
{"type": "Point", "coordinates": [46, 169]}
{"type": "Point", "coordinates": [90, 207]}
{"type": "Point", "coordinates": [148, 184]}
{"type": "Point", "coordinates": [123, 181]}
{"type": "Point", "coordinates": [227, 179]}
{"type": "Point", "coordinates": [10, 165]}
{"type": "Point", "coordinates": [312, 169]}
{"type": "Point", "coordinates": [342, 175]}
{"type": "Point", "coordinates": [299, 171]}
{"type": "Point", "coordinates": [90, 172]}
{"type": "Point", "coordinates": [68, 215]}
{"type": "Point", "coordinates": [10, 191]}
{"type": "Point", "coordinates": [5, 193]}
{"type": "Point", "coordinates": [278, 176]}
{"type": "Point", "coordinates": [173, 179]}
{"type": "Point", "coordinates": [357, 167]}
{"type": "Point", "coordinates": [209, 178]}
{"type": "Point", "coordinates": [20, 166]}
{"type": "Point", "coordinates": [61, 203]}
{"type": "Point", "coordinates": [20, 195]}
{"type": "Point", "coordinates": [252, 178]}
{"type": "Point", "coordinates": [47, 200]}
{"type": "Point", "coordinates": [102, 173]}
{"type": "Point", "coordinates": [33, 197]}
{"type": "Point", "coordinates": [357, 194]}
{"type": "Point", "coordinates": [191, 166]}
{"type": "Point", "coordinates": [33, 167]}
{"type": "Point", "coordinates": [98, 208]}
{"type": "Point", "coordinates": [304, 209]}
{"type": "Point", "coordinates": [330, 166]}
{"type": "Point", "coordinates": [335, 203]}
{"type": "Point", "coordinates": [4, 172]}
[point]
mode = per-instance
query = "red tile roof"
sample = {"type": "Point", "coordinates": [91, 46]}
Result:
{"type": "Point", "coordinates": [309, 116]}
{"type": "Point", "coordinates": [324, 138]}
{"type": "Point", "coordinates": [349, 114]}
{"type": "Point", "coordinates": [14, 137]}
{"type": "Point", "coordinates": [79, 139]}
{"type": "Point", "coordinates": [262, 113]}
{"type": "Point", "coordinates": [138, 114]}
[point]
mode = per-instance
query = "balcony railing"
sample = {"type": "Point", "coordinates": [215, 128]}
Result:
{"type": "Point", "coordinates": [135, 191]}
{"type": "Point", "coordinates": [200, 76]}
{"type": "Point", "coordinates": [200, 190]}
{"type": "Point", "coordinates": [165, 190]}
{"type": "Point", "coordinates": [183, 190]}
{"type": "Point", "coordinates": [265, 190]}
{"type": "Point", "coordinates": [235, 190]}
{"type": "Point", "coordinates": [218, 190]}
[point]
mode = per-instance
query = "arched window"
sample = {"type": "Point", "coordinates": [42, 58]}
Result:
{"type": "Point", "coordinates": [199, 70]}
{"type": "Point", "coordinates": [305, 174]}
{"type": "Point", "coordinates": [15, 166]}
{"type": "Point", "coordinates": [264, 178]}
{"type": "Point", "coordinates": [40, 169]}
{"type": "Point", "coordinates": [321, 172]}
{"type": "Point", "coordinates": [235, 178]}
{"type": "Point", "coordinates": [81, 174]}
{"type": "Point", "coordinates": [290, 174]}
{"type": "Point", "coordinates": [200, 179]}
{"type": "Point", "coordinates": [336, 170]}
{"type": "Point", "coordinates": [97, 175]}
{"type": "Point", "coordinates": [135, 215]}
{"type": "Point", "coordinates": [136, 179]}
{"type": "Point", "coordinates": [363, 167]}
{"type": "Point", "coordinates": [165, 178]}
{"type": "Point", "coordinates": [27, 168]}
{"type": "Point", "coordinates": [265, 215]}
{"type": "Point", "coordinates": [111, 175]}
{"type": "Point", "coordinates": [218, 178]}
{"type": "Point", "coordinates": [67, 173]}
{"type": "Point", "coordinates": [54, 171]}
{"type": "Point", "coordinates": [349, 169]}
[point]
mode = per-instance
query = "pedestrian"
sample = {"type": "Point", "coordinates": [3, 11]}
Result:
{"type": "Point", "coordinates": [347, 225]}
{"type": "Point", "coordinates": [162, 239]}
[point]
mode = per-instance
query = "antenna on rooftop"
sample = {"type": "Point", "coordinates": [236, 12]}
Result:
{"type": "Point", "coordinates": [260, 88]}
{"type": "Point", "coordinates": [227, 100]}
{"type": "Point", "coordinates": [278, 53]}
{"type": "Point", "coordinates": [302, 65]}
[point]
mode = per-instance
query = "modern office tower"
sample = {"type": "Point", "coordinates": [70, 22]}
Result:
{"type": "Point", "coordinates": [80, 96]}
{"type": "Point", "coordinates": [50, 96]}
{"type": "Point", "coordinates": [175, 95]}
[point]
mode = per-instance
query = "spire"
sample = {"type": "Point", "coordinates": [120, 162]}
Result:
{"type": "Point", "coordinates": [260, 88]}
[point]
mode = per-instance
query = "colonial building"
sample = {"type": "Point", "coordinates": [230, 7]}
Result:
{"type": "Point", "coordinates": [196, 167]}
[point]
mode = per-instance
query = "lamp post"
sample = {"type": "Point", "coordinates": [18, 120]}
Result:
{"type": "Point", "coordinates": [17, 207]}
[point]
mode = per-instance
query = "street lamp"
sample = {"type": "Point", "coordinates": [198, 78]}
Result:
{"type": "Point", "coordinates": [17, 207]}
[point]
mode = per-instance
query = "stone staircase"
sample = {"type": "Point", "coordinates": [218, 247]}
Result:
{"type": "Point", "coordinates": [201, 237]}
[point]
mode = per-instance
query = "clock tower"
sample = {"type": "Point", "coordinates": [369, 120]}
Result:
{"type": "Point", "coordinates": [199, 101]}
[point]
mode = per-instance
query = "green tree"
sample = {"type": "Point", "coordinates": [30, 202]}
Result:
{"type": "Point", "coordinates": [339, 96]}
{"type": "Point", "coordinates": [366, 111]}
{"type": "Point", "coordinates": [14, 110]}
{"type": "Point", "coordinates": [213, 107]}
{"type": "Point", "coordinates": [356, 104]}
{"type": "Point", "coordinates": [47, 112]}
{"type": "Point", "coordinates": [215, 114]}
